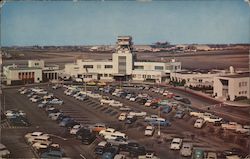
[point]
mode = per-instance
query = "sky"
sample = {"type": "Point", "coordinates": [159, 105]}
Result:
{"type": "Point", "coordinates": [27, 23]}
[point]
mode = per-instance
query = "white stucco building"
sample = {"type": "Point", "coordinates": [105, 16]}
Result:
{"type": "Point", "coordinates": [35, 72]}
{"type": "Point", "coordinates": [123, 66]}
{"type": "Point", "coordinates": [197, 78]}
{"type": "Point", "coordinates": [232, 86]}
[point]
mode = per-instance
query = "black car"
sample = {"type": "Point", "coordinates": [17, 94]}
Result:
{"type": "Point", "coordinates": [53, 111]}
{"type": "Point", "coordinates": [110, 152]}
{"type": "Point", "coordinates": [142, 101]}
{"type": "Point", "coordinates": [130, 119]}
{"type": "Point", "coordinates": [82, 132]}
{"type": "Point", "coordinates": [88, 138]}
{"type": "Point", "coordinates": [19, 121]}
{"type": "Point", "coordinates": [101, 147]}
{"type": "Point", "coordinates": [71, 124]}
{"type": "Point", "coordinates": [185, 100]}
{"type": "Point", "coordinates": [134, 148]}
{"type": "Point", "coordinates": [61, 117]}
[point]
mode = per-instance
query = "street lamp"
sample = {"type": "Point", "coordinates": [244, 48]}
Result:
{"type": "Point", "coordinates": [159, 124]}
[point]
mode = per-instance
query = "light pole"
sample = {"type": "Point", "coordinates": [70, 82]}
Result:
{"type": "Point", "coordinates": [159, 125]}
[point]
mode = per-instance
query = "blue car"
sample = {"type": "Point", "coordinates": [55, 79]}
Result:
{"type": "Point", "coordinates": [52, 154]}
{"type": "Point", "coordinates": [110, 152]}
{"type": "Point", "coordinates": [65, 121]}
{"type": "Point", "coordinates": [161, 122]}
{"type": "Point", "coordinates": [166, 109]}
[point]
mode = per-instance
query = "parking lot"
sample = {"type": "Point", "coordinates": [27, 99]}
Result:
{"type": "Point", "coordinates": [89, 112]}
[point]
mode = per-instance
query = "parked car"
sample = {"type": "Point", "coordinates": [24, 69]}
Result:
{"type": "Point", "coordinates": [101, 147]}
{"type": "Point", "coordinates": [176, 144]}
{"type": "Point", "coordinates": [245, 129]}
{"type": "Point", "coordinates": [230, 126]}
{"type": "Point", "coordinates": [117, 141]}
{"type": "Point", "coordinates": [106, 101]}
{"type": "Point", "coordinates": [198, 154]}
{"type": "Point", "coordinates": [74, 129]}
{"type": "Point", "coordinates": [106, 131]}
{"type": "Point", "coordinates": [135, 149]}
{"type": "Point", "coordinates": [151, 118]}
{"type": "Point", "coordinates": [4, 152]}
{"type": "Point", "coordinates": [138, 114]}
{"type": "Point", "coordinates": [110, 152]}
{"type": "Point", "coordinates": [186, 149]}
{"type": "Point", "coordinates": [38, 146]}
{"type": "Point", "coordinates": [179, 114]}
{"type": "Point", "coordinates": [88, 138]}
{"type": "Point", "coordinates": [98, 127]}
{"type": "Point", "coordinates": [148, 155]}
{"type": "Point", "coordinates": [125, 108]}
{"type": "Point", "coordinates": [160, 122]}
{"type": "Point", "coordinates": [130, 119]}
{"type": "Point", "coordinates": [149, 131]}
{"type": "Point", "coordinates": [116, 104]}
{"type": "Point", "coordinates": [122, 116]}
{"type": "Point", "coordinates": [211, 155]}
{"type": "Point", "coordinates": [199, 123]}
{"type": "Point", "coordinates": [34, 134]}
{"type": "Point", "coordinates": [166, 109]}
{"type": "Point", "coordinates": [52, 154]}
{"type": "Point", "coordinates": [65, 121]}
{"type": "Point", "coordinates": [56, 101]}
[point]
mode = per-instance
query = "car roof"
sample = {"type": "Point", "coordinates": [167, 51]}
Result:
{"type": "Point", "coordinates": [2, 146]}
{"type": "Point", "coordinates": [102, 143]}
{"type": "Point", "coordinates": [177, 139]}
{"type": "Point", "coordinates": [37, 133]}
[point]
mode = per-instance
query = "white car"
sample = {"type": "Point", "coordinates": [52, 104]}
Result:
{"type": "Point", "coordinates": [132, 99]}
{"type": "Point", "coordinates": [120, 156]}
{"type": "Point", "coordinates": [115, 135]}
{"type": "Point", "coordinates": [34, 134]}
{"type": "Point", "coordinates": [4, 153]}
{"type": "Point", "coordinates": [138, 114]}
{"type": "Point", "coordinates": [151, 118]}
{"type": "Point", "coordinates": [231, 126]}
{"type": "Point", "coordinates": [54, 116]}
{"type": "Point", "coordinates": [48, 96]}
{"type": "Point", "coordinates": [196, 114]}
{"type": "Point", "coordinates": [106, 131]}
{"type": "Point", "coordinates": [106, 101]}
{"type": "Point", "coordinates": [149, 131]}
{"type": "Point", "coordinates": [94, 95]}
{"type": "Point", "coordinates": [148, 103]}
{"type": "Point", "coordinates": [176, 144]}
{"type": "Point", "coordinates": [116, 104]}
{"type": "Point", "coordinates": [148, 156]}
{"type": "Point", "coordinates": [199, 123]}
{"type": "Point", "coordinates": [243, 129]}
{"type": "Point", "coordinates": [212, 119]}
{"type": "Point", "coordinates": [74, 129]}
{"type": "Point", "coordinates": [122, 116]}
{"type": "Point", "coordinates": [39, 145]}
{"type": "Point", "coordinates": [56, 101]}
{"type": "Point", "coordinates": [125, 108]}
{"type": "Point", "coordinates": [186, 149]}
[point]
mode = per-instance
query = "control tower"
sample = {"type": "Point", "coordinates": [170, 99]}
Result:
{"type": "Point", "coordinates": [123, 58]}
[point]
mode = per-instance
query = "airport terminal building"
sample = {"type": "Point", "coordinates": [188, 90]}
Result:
{"type": "Point", "coordinates": [35, 72]}
{"type": "Point", "coordinates": [123, 66]}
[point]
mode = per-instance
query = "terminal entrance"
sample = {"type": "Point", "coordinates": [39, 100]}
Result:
{"type": "Point", "coordinates": [122, 77]}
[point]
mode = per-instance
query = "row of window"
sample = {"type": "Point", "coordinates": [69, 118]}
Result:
{"type": "Point", "coordinates": [242, 84]}
{"type": "Point", "coordinates": [243, 92]}
{"type": "Point", "coordinates": [26, 75]}
{"type": "Point", "coordinates": [105, 75]}
{"type": "Point", "coordinates": [145, 76]}
{"type": "Point", "coordinates": [98, 67]}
